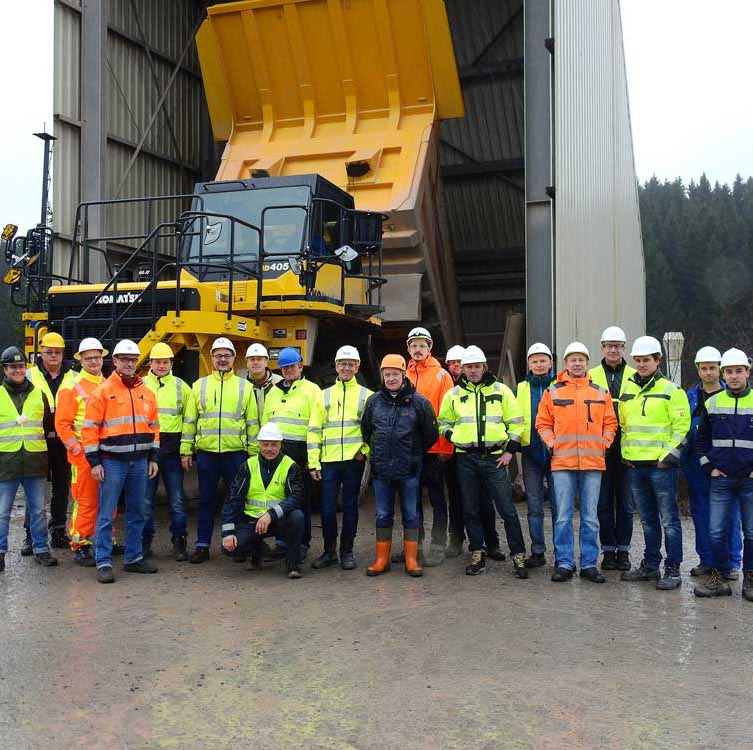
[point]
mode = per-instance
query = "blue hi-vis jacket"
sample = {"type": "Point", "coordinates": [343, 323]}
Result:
{"type": "Point", "coordinates": [696, 401]}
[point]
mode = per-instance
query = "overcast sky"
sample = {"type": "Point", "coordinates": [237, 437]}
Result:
{"type": "Point", "coordinates": [688, 73]}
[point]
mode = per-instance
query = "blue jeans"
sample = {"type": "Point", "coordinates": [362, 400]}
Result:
{"type": "Point", "coordinates": [211, 467]}
{"type": "Point", "coordinates": [729, 494]}
{"type": "Point", "coordinates": [699, 490]}
{"type": "Point", "coordinates": [478, 474]}
{"type": "Point", "coordinates": [533, 478]}
{"type": "Point", "coordinates": [615, 505]}
{"type": "Point", "coordinates": [171, 472]}
{"type": "Point", "coordinates": [587, 485]}
{"type": "Point", "coordinates": [408, 489]}
{"type": "Point", "coordinates": [655, 494]}
{"type": "Point", "coordinates": [348, 475]}
{"type": "Point", "coordinates": [34, 489]}
{"type": "Point", "coordinates": [128, 477]}
{"type": "Point", "coordinates": [432, 477]}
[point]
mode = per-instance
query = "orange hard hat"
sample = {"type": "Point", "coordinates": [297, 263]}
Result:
{"type": "Point", "coordinates": [393, 360]}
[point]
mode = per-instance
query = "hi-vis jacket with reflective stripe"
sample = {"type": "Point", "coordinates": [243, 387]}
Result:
{"type": "Point", "coordinates": [37, 377]}
{"type": "Point", "coordinates": [69, 415]}
{"type": "Point", "coordinates": [120, 422]}
{"type": "Point", "coordinates": [334, 432]}
{"type": "Point", "coordinates": [523, 395]}
{"type": "Point", "coordinates": [220, 416]}
{"type": "Point", "coordinates": [481, 417]}
{"type": "Point", "coordinates": [724, 440]}
{"type": "Point", "coordinates": [291, 410]}
{"type": "Point", "coordinates": [172, 395]}
{"type": "Point", "coordinates": [576, 421]}
{"type": "Point", "coordinates": [655, 420]}
{"type": "Point", "coordinates": [605, 376]}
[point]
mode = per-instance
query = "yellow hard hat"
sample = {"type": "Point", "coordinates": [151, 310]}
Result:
{"type": "Point", "coordinates": [161, 351]}
{"type": "Point", "coordinates": [52, 340]}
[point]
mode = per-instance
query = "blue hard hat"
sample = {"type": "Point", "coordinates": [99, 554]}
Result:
{"type": "Point", "coordinates": [289, 356]}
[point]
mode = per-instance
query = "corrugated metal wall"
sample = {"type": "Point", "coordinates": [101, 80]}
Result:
{"type": "Point", "coordinates": [599, 272]}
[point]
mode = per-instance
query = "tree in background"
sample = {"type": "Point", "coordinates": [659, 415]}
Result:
{"type": "Point", "coordinates": [698, 246]}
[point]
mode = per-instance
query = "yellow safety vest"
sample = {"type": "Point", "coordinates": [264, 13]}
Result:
{"type": "Point", "coordinates": [172, 398]}
{"type": "Point", "coordinates": [291, 411]}
{"type": "Point", "coordinates": [24, 430]}
{"type": "Point", "coordinates": [259, 499]}
{"type": "Point", "coordinates": [38, 380]}
{"type": "Point", "coordinates": [523, 396]}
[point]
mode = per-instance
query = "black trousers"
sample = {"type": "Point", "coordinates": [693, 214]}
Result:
{"type": "Point", "coordinates": [290, 528]}
{"type": "Point", "coordinates": [457, 522]}
{"type": "Point", "coordinates": [59, 474]}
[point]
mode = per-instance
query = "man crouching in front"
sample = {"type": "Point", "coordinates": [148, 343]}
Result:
{"type": "Point", "coordinates": [266, 499]}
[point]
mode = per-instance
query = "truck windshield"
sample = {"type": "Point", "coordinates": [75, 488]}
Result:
{"type": "Point", "coordinates": [283, 231]}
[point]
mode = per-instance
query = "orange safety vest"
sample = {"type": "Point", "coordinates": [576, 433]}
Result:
{"type": "Point", "coordinates": [71, 405]}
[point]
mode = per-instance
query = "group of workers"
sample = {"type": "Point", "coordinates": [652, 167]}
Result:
{"type": "Point", "coordinates": [607, 436]}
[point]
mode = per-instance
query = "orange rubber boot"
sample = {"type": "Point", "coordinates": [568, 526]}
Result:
{"type": "Point", "coordinates": [412, 568]}
{"type": "Point", "coordinates": [383, 547]}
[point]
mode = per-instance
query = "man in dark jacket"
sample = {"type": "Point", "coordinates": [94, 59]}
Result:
{"type": "Point", "coordinates": [266, 498]}
{"type": "Point", "coordinates": [399, 426]}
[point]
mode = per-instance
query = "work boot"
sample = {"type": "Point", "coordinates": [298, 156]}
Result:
{"type": "Point", "coordinates": [59, 539]}
{"type": "Point", "coordinates": [747, 591]}
{"type": "Point", "coordinates": [327, 558]}
{"type": "Point", "coordinates": [383, 546]}
{"type": "Point", "coordinates": [254, 564]}
{"type": "Point", "coordinates": [117, 548]}
{"type": "Point", "coordinates": [536, 560]}
{"type": "Point", "coordinates": [199, 555]}
{"type": "Point", "coordinates": [180, 549]}
{"type": "Point", "coordinates": [495, 553]}
{"type": "Point", "coordinates": [477, 564]}
{"type": "Point", "coordinates": [26, 549]}
{"type": "Point", "coordinates": [146, 547]}
{"type": "Point", "coordinates": [713, 586]}
{"type": "Point", "coordinates": [105, 574]}
{"type": "Point", "coordinates": [277, 552]}
{"type": "Point", "coordinates": [671, 579]}
{"type": "Point", "coordinates": [2, 561]}
{"type": "Point", "coordinates": [519, 567]}
{"type": "Point", "coordinates": [561, 574]}
{"type": "Point", "coordinates": [84, 557]}
{"type": "Point", "coordinates": [436, 557]}
{"type": "Point", "coordinates": [347, 559]}
{"type": "Point", "coordinates": [609, 560]}
{"type": "Point", "coordinates": [45, 559]}
{"type": "Point", "coordinates": [592, 574]}
{"type": "Point", "coordinates": [454, 549]}
{"type": "Point", "coordinates": [642, 573]}
{"type": "Point", "coordinates": [412, 568]}
{"type": "Point", "coordinates": [733, 574]}
{"type": "Point", "coordinates": [141, 566]}
{"type": "Point", "coordinates": [294, 571]}
{"type": "Point", "coordinates": [623, 559]}
{"type": "Point", "coordinates": [701, 570]}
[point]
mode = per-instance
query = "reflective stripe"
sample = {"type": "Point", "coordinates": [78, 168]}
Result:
{"type": "Point", "coordinates": [647, 428]}
{"type": "Point", "coordinates": [289, 420]}
{"type": "Point", "coordinates": [579, 452]}
{"type": "Point", "coordinates": [189, 420]}
{"type": "Point", "coordinates": [644, 443]}
{"type": "Point", "coordinates": [168, 411]}
{"type": "Point", "coordinates": [362, 396]}
{"type": "Point", "coordinates": [703, 460]}
{"type": "Point", "coordinates": [358, 439]}
{"type": "Point", "coordinates": [466, 420]}
{"type": "Point", "coordinates": [228, 527]}
{"type": "Point", "coordinates": [8, 425]}
{"type": "Point", "coordinates": [92, 423]}
{"type": "Point", "coordinates": [497, 419]}
{"type": "Point", "coordinates": [203, 393]}
{"type": "Point", "coordinates": [140, 418]}
{"type": "Point", "coordinates": [732, 444]}
{"type": "Point", "coordinates": [513, 420]}
{"type": "Point", "coordinates": [91, 448]}
{"type": "Point", "coordinates": [70, 443]}
{"type": "Point", "coordinates": [712, 408]}
{"type": "Point", "coordinates": [344, 423]}
{"type": "Point", "coordinates": [580, 439]}
{"type": "Point", "coordinates": [315, 444]}
{"type": "Point", "coordinates": [21, 438]}
{"type": "Point", "coordinates": [299, 438]}
{"type": "Point", "coordinates": [125, 448]}
{"type": "Point", "coordinates": [178, 396]}
{"type": "Point", "coordinates": [327, 398]}
{"type": "Point", "coordinates": [241, 387]}
{"type": "Point", "coordinates": [82, 394]}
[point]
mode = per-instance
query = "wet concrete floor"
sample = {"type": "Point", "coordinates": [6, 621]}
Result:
{"type": "Point", "coordinates": [214, 656]}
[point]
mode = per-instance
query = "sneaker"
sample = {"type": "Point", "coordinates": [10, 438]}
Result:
{"type": "Point", "coordinates": [671, 579]}
{"type": "Point", "coordinates": [609, 560]}
{"type": "Point", "coordinates": [294, 571]}
{"type": "Point", "coordinates": [519, 567]}
{"type": "Point", "coordinates": [347, 561]}
{"type": "Point", "coordinates": [561, 574]}
{"type": "Point", "coordinates": [199, 555]}
{"type": "Point", "coordinates": [59, 539]}
{"type": "Point", "coordinates": [325, 560]}
{"type": "Point", "coordinates": [141, 566]}
{"type": "Point", "coordinates": [254, 564]}
{"type": "Point", "coordinates": [733, 574]}
{"type": "Point", "coordinates": [26, 549]}
{"type": "Point", "coordinates": [436, 557]}
{"type": "Point", "coordinates": [117, 548]}
{"type": "Point", "coordinates": [2, 561]}
{"type": "Point", "coordinates": [495, 553]}
{"type": "Point", "coordinates": [477, 564]}
{"type": "Point", "coordinates": [747, 591]}
{"type": "Point", "coordinates": [84, 557]}
{"type": "Point", "coordinates": [713, 586]}
{"type": "Point", "coordinates": [105, 574]}
{"type": "Point", "coordinates": [641, 573]}
{"type": "Point", "coordinates": [146, 547]}
{"type": "Point", "coordinates": [454, 549]}
{"type": "Point", "coordinates": [45, 559]}
{"type": "Point", "coordinates": [180, 549]}
{"type": "Point", "coordinates": [623, 559]}
{"type": "Point", "coordinates": [700, 570]}
{"type": "Point", "coordinates": [592, 574]}
{"type": "Point", "coordinates": [536, 560]}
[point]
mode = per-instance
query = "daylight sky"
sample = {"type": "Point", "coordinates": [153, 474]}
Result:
{"type": "Point", "coordinates": [688, 74]}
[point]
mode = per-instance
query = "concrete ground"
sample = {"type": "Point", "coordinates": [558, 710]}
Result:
{"type": "Point", "coordinates": [213, 656]}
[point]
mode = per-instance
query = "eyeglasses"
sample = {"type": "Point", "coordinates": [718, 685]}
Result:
{"type": "Point", "coordinates": [128, 360]}
{"type": "Point", "coordinates": [613, 346]}
{"type": "Point", "coordinates": [93, 359]}
{"type": "Point", "coordinates": [222, 356]}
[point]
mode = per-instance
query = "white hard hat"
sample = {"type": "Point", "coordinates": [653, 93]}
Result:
{"type": "Point", "coordinates": [613, 333]}
{"type": "Point", "coordinates": [708, 354]}
{"type": "Point", "coordinates": [126, 346]}
{"type": "Point", "coordinates": [473, 356]}
{"type": "Point", "coordinates": [419, 333]}
{"type": "Point", "coordinates": [576, 348]}
{"type": "Point", "coordinates": [223, 343]}
{"type": "Point", "coordinates": [89, 345]}
{"type": "Point", "coordinates": [270, 431]}
{"type": "Point", "coordinates": [256, 350]}
{"type": "Point", "coordinates": [539, 348]}
{"type": "Point", "coordinates": [734, 358]}
{"type": "Point", "coordinates": [454, 353]}
{"type": "Point", "coordinates": [644, 346]}
{"type": "Point", "coordinates": [347, 352]}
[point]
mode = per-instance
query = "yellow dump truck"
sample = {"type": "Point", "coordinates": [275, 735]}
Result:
{"type": "Point", "coordinates": [325, 219]}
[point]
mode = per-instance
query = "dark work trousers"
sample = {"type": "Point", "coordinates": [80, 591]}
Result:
{"type": "Point", "coordinates": [60, 477]}
{"type": "Point", "coordinates": [289, 527]}
{"type": "Point", "coordinates": [432, 477]}
{"type": "Point", "coordinates": [296, 449]}
{"type": "Point", "coordinates": [457, 522]}
{"type": "Point", "coordinates": [615, 504]}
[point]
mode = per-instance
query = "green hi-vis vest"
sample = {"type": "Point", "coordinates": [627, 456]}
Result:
{"type": "Point", "coordinates": [37, 379]}
{"type": "Point", "coordinates": [24, 430]}
{"type": "Point", "coordinates": [171, 393]}
{"type": "Point", "coordinates": [599, 376]}
{"type": "Point", "coordinates": [259, 499]}
{"type": "Point", "coordinates": [655, 420]}
{"type": "Point", "coordinates": [523, 395]}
